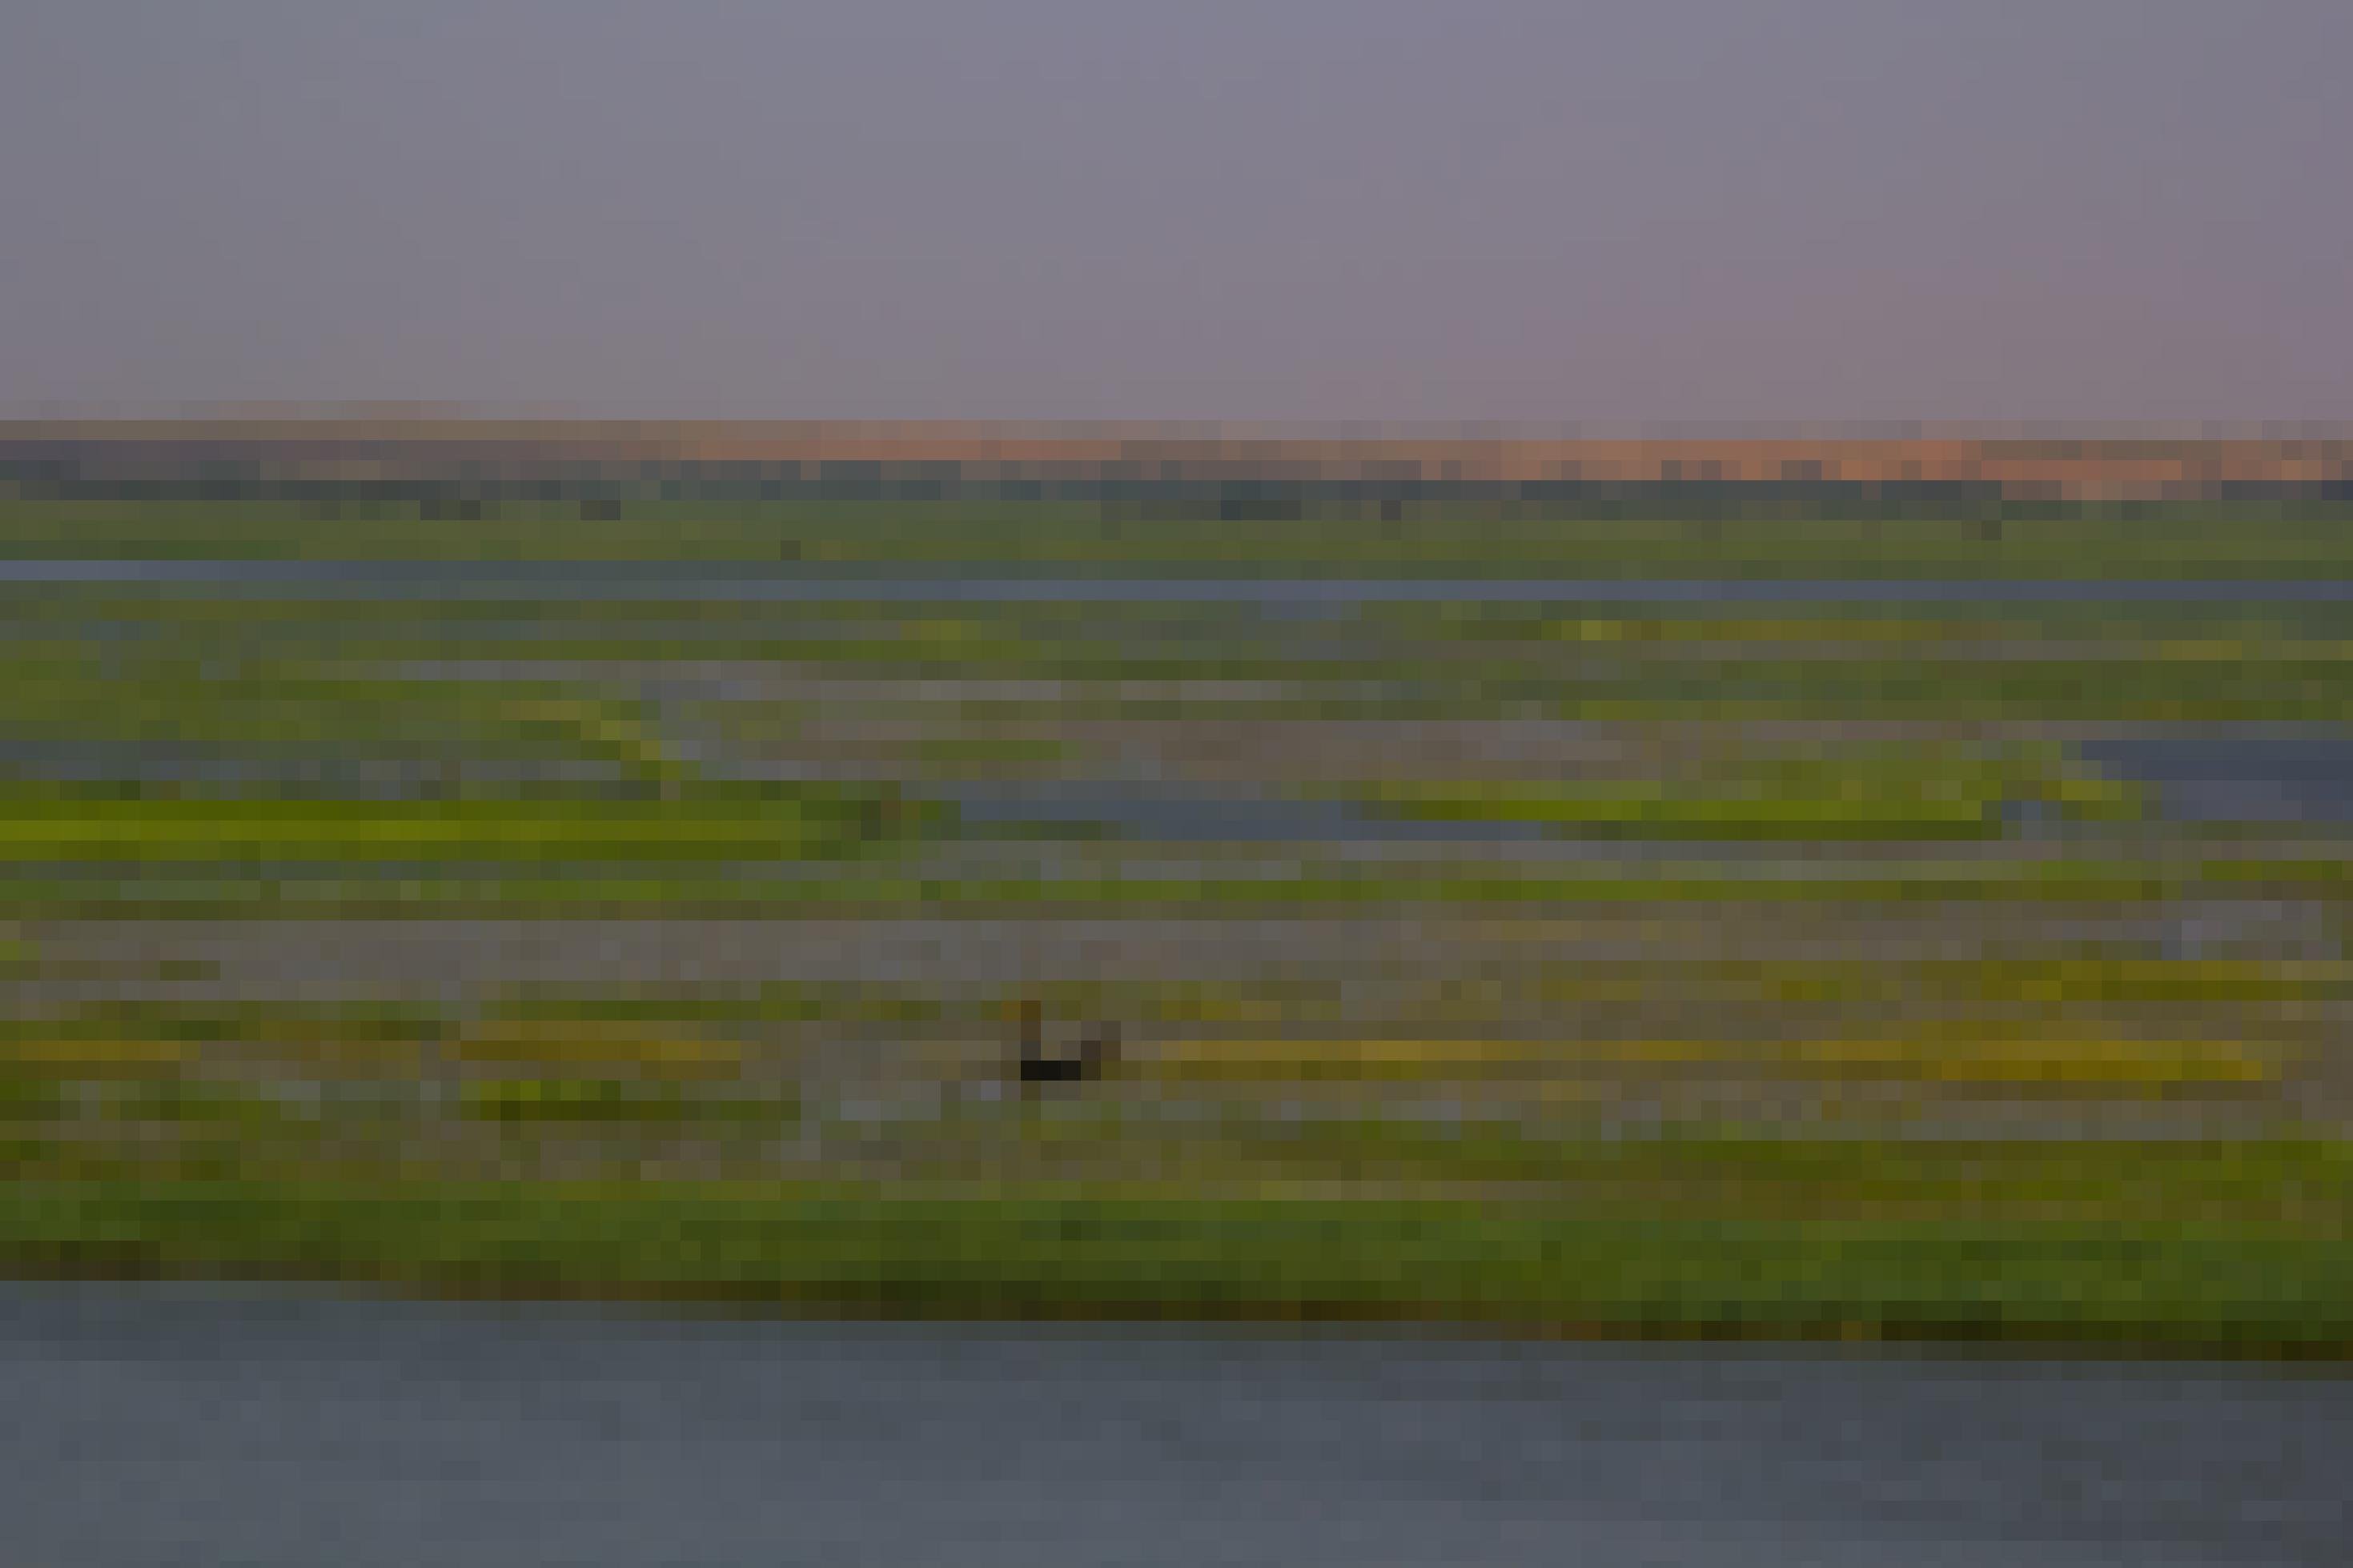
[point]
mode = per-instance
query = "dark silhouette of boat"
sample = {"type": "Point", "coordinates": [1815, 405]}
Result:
{"type": "Point", "coordinates": [1089, 1059]}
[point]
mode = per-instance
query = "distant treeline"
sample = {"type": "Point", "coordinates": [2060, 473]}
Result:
{"type": "Point", "coordinates": [459, 466]}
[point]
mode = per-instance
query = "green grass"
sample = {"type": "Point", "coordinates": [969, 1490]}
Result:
{"type": "Point", "coordinates": [613, 1101]}
{"type": "Point", "coordinates": [63, 630]}
{"type": "Point", "coordinates": [227, 891]}
{"type": "Point", "coordinates": [2076, 979]}
{"type": "Point", "coordinates": [204, 673]}
{"type": "Point", "coordinates": [699, 823]}
{"type": "Point", "coordinates": [2221, 628]}
{"type": "Point", "coordinates": [584, 1014]}
{"type": "Point", "coordinates": [1453, 537]}
{"type": "Point", "coordinates": [180, 1024]}
{"type": "Point", "coordinates": [182, 830]}
{"type": "Point", "coordinates": [1261, 1002]}
{"type": "Point", "coordinates": [1684, 1267]}
{"type": "Point", "coordinates": [1702, 1172]}
{"type": "Point", "coordinates": [1919, 815]}
{"type": "Point", "coordinates": [2052, 1060]}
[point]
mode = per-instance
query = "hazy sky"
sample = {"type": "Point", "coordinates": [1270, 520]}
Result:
{"type": "Point", "coordinates": [1532, 210]}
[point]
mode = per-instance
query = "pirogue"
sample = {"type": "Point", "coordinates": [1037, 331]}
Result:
{"type": "Point", "coordinates": [1096, 1049]}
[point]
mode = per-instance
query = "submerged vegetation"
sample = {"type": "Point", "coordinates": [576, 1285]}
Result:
{"type": "Point", "coordinates": [1572, 965]}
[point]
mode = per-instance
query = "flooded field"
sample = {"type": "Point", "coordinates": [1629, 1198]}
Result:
{"type": "Point", "coordinates": [1337, 809]}
{"type": "Point", "coordinates": [1389, 881]}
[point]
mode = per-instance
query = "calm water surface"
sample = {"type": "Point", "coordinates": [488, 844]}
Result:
{"type": "Point", "coordinates": [177, 1425]}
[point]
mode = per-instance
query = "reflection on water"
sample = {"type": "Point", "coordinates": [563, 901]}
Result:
{"type": "Point", "coordinates": [175, 1424]}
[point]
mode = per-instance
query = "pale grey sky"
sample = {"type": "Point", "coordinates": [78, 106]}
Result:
{"type": "Point", "coordinates": [1529, 210]}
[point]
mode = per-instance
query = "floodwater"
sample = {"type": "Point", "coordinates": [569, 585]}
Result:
{"type": "Point", "coordinates": [171, 1425]}
{"type": "Point", "coordinates": [1201, 815]}
{"type": "Point", "coordinates": [2201, 774]}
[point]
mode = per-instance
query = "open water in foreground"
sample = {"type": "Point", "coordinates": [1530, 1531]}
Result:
{"type": "Point", "coordinates": [199, 1424]}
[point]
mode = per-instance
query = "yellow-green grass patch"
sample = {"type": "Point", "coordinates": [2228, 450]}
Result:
{"type": "Point", "coordinates": [583, 1046]}
{"type": "Point", "coordinates": [612, 1100]}
{"type": "Point", "coordinates": [2085, 1063]}
{"type": "Point", "coordinates": [93, 1057]}
{"type": "Point", "coordinates": [1952, 1056]}
{"type": "Point", "coordinates": [1370, 1061]}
